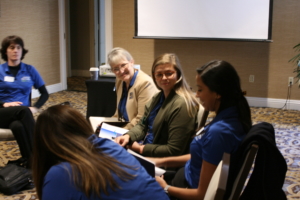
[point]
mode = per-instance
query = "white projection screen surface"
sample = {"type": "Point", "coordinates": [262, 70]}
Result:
{"type": "Point", "coordinates": [204, 19]}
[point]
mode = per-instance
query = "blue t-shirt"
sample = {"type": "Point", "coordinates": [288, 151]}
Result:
{"type": "Point", "coordinates": [123, 101]}
{"type": "Point", "coordinates": [223, 134]}
{"type": "Point", "coordinates": [58, 184]}
{"type": "Point", "coordinates": [18, 88]}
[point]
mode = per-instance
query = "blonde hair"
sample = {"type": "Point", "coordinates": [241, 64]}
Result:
{"type": "Point", "coordinates": [181, 87]}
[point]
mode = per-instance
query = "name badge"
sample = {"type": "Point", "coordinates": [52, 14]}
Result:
{"type": "Point", "coordinates": [9, 78]}
{"type": "Point", "coordinates": [130, 95]}
{"type": "Point", "coordinates": [25, 78]}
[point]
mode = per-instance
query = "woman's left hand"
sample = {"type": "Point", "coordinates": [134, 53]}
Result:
{"type": "Point", "coordinates": [11, 104]}
{"type": "Point", "coordinates": [161, 181]}
{"type": "Point", "coordinates": [137, 147]}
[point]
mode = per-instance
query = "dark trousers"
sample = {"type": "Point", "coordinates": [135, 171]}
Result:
{"type": "Point", "coordinates": [21, 122]}
{"type": "Point", "coordinates": [177, 179]}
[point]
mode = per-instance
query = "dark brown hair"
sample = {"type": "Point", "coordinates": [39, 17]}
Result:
{"type": "Point", "coordinates": [13, 39]}
{"type": "Point", "coordinates": [61, 134]}
{"type": "Point", "coordinates": [221, 77]}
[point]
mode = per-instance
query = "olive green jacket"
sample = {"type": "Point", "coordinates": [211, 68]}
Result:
{"type": "Point", "coordinates": [172, 127]}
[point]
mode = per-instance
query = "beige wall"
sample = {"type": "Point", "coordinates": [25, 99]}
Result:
{"type": "Point", "coordinates": [37, 23]}
{"type": "Point", "coordinates": [267, 61]}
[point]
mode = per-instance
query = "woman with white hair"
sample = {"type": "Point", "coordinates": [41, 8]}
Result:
{"type": "Point", "coordinates": [133, 86]}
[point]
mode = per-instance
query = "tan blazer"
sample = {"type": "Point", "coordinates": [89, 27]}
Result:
{"type": "Point", "coordinates": [139, 94]}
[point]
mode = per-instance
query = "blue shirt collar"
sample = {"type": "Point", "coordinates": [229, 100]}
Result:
{"type": "Point", "coordinates": [131, 82]}
{"type": "Point", "coordinates": [133, 79]}
{"type": "Point", "coordinates": [6, 68]}
{"type": "Point", "coordinates": [226, 113]}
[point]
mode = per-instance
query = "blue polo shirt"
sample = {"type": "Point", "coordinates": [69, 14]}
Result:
{"type": "Point", "coordinates": [18, 88]}
{"type": "Point", "coordinates": [59, 185]}
{"type": "Point", "coordinates": [223, 134]}
{"type": "Point", "coordinates": [123, 101]}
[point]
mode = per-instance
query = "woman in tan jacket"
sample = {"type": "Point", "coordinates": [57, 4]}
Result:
{"type": "Point", "coordinates": [134, 87]}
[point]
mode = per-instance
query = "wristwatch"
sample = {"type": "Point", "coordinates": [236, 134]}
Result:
{"type": "Point", "coordinates": [166, 188]}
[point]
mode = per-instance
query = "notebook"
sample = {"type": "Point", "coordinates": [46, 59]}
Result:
{"type": "Point", "coordinates": [105, 130]}
{"type": "Point", "coordinates": [148, 164]}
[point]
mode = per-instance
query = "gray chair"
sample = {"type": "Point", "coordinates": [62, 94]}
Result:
{"type": "Point", "coordinates": [217, 185]}
{"type": "Point", "coordinates": [6, 134]}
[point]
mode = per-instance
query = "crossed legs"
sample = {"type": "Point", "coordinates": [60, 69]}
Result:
{"type": "Point", "coordinates": [20, 120]}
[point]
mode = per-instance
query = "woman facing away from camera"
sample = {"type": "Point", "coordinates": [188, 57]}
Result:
{"type": "Point", "coordinates": [133, 86]}
{"type": "Point", "coordinates": [219, 90]}
{"type": "Point", "coordinates": [170, 117]}
{"type": "Point", "coordinates": [70, 162]}
{"type": "Point", "coordinates": [16, 81]}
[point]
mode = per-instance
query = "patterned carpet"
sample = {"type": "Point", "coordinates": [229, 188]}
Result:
{"type": "Point", "coordinates": [285, 122]}
{"type": "Point", "coordinates": [77, 83]}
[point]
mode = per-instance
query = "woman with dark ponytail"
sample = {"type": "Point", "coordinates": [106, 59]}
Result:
{"type": "Point", "coordinates": [220, 77]}
{"type": "Point", "coordinates": [219, 90]}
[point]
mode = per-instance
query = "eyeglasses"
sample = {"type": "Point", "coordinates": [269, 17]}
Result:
{"type": "Point", "coordinates": [168, 74]}
{"type": "Point", "coordinates": [122, 66]}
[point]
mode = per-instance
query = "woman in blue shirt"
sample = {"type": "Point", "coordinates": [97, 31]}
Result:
{"type": "Point", "coordinates": [16, 81]}
{"type": "Point", "coordinates": [70, 162]}
{"type": "Point", "coordinates": [18, 78]}
{"type": "Point", "coordinates": [219, 90]}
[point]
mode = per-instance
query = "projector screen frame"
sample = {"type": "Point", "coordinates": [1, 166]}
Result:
{"type": "Point", "coordinates": [205, 38]}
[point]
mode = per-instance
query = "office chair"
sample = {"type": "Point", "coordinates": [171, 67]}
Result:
{"type": "Point", "coordinates": [268, 174]}
{"type": "Point", "coordinates": [240, 180]}
{"type": "Point", "coordinates": [218, 182]}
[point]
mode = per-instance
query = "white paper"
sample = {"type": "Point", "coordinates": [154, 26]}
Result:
{"type": "Point", "coordinates": [111, 132]}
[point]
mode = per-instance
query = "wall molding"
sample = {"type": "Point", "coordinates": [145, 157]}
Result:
{"type": "Point", "coordinates": [273, 103]}
{"type": "Point", "coordinates": [253, 101]}
{"type": "Point", "coordinates": [62, 44]}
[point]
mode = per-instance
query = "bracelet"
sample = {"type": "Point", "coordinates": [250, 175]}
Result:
{"type": "Point", "coordinates": [166, 188]}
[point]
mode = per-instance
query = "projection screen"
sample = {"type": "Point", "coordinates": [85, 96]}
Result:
{"type": "Point", "coordinates": [204, 19]}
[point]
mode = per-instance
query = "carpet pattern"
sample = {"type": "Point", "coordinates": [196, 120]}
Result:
{"type": "Point", "coordinates": [285, 122]}
{"type": "Point", "coordinates": [9, 150]}
{"type": "Point", "coordinates": [77, 83]}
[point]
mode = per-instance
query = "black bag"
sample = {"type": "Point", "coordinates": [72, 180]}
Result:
{"type": "Point", "coordinates": [14, 178]}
